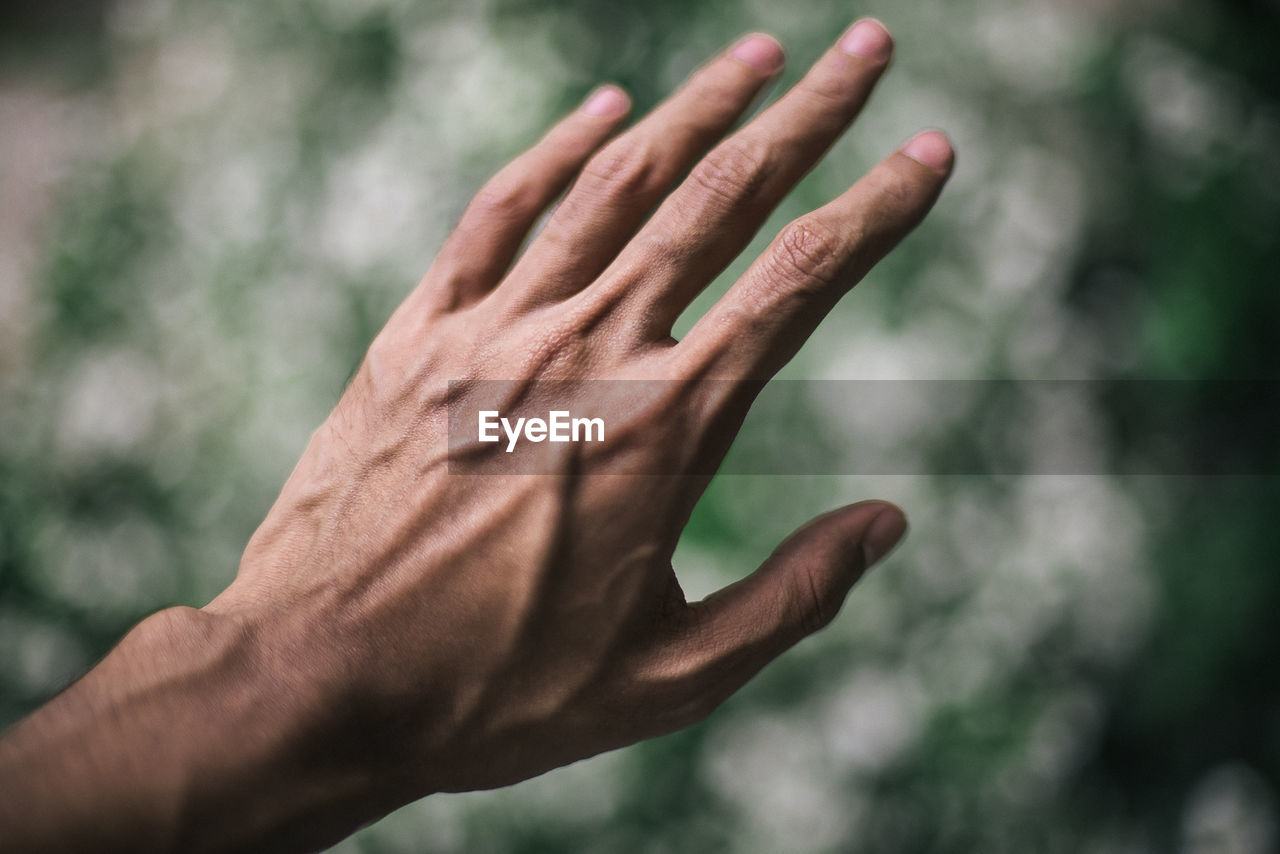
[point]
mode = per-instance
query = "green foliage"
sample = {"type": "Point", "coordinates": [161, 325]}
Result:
{"type": "Point", "coordinates": [1050, 663]}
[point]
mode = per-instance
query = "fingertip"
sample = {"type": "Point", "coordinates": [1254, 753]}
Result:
{"type": "Point", "coordinates": [761, 51]}
{"type": "Point", "coordinates": [884, 532]}
{"type": "Point", "coordinates": [932, 148]}
{"type": "Point", "coordinates": [867, 38]}
{"type": "Point", "coordinates": [608, 102]}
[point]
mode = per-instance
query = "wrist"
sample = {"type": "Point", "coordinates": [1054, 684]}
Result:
{"type": "Point", "coordinates": [187, 736]}
{"type": "Point", "coordinates": [105, 764]}
{"type": "Point", "coordinates": [276, 769]}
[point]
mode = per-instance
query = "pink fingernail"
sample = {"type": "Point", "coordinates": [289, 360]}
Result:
{"type": "Point", "coordinates": [759, 51]}
{"type": "Point", "coordinates": [867, 38]}
{"type": "Point", "coordinates": [607, 102]}
{"type": "Point", "coordinates": [931, 148]}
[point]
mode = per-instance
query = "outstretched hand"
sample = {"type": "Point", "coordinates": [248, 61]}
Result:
{"type": "Point", "coordinates": [400, 626]}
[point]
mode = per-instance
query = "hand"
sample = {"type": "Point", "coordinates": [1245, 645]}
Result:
{"type": "Point", "coordinates": [399, 628]}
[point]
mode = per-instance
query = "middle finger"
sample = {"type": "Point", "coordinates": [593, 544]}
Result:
{"type": "Point", "coordinates": [712, 216]}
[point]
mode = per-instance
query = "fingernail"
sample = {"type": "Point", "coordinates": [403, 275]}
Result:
{"type": "Point", "coordinates": [932, 148]}
{"type": "Point", "coordinates": [608, 102]}
{"type": "Point", "coordinates": [867, 38]}
{"type": "Point", "coordinates": [882, 535]}
{"type": "Point", "coordinates": [759, 51]}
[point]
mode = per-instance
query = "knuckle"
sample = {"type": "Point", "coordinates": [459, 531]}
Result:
{"type": "Point", "coordinates": [899, 192]}
{"type": "Point", "coordinates": [733, 172]}
{"type": "Point", "coordinates": [621, 169]}
{"type": "Point", "coordinates": [503, 197]}
{"type": "Point", "coordinates": [813, 610]}
{"type": "Point", "coordinates": [900, 197]}
{"type": "Point", "coordinates": [718, 96]}
{"type": "Point", "coordinates": [828, 88]}
{"type": "Point", "coordinates": [807, 258]}
{"type": "Point", "coordinates": [831, 95]}
{"type": "Point", "coordinates": [687, 680]}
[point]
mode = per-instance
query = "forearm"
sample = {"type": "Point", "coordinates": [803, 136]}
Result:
{"type": "Point", "coordinates": [180, 739]}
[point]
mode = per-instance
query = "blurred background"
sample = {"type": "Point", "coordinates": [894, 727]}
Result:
{"type": "Point", "coordinates": [208, 209]}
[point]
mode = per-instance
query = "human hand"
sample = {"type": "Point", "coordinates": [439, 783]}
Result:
{"type": "Point", "coordinates": [536, 619]}
{"type": "Point", "coordinates": [409, 628]}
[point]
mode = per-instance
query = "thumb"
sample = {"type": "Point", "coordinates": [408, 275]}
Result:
{"type": "Point", "coordinates": [739, 629]}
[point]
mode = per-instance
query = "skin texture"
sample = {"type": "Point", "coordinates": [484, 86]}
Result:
{"type": "Point", "coordinates": [400, 627]}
